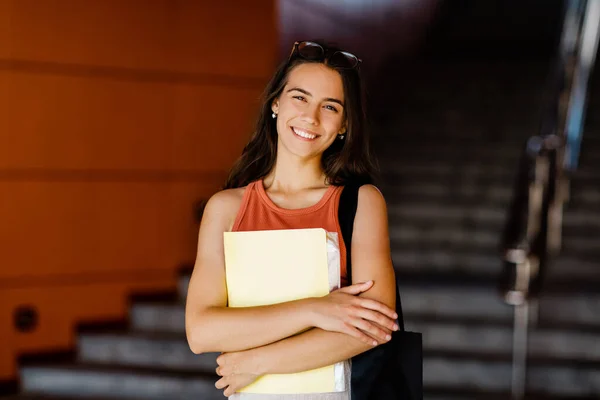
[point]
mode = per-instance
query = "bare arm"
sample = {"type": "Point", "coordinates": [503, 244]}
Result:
{"type": "Point", "coordinates": [316, 348]}
{"type": "Point", "coordinates": [210, 325]}
{"type": "Point", "coordinates": [371, 260]}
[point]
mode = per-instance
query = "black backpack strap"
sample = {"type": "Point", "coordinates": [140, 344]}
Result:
{"type": "Point", "coordinates": [346, 213]}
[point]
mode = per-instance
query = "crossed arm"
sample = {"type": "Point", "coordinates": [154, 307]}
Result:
{"type": "Point", "coordinates": [269, 342]}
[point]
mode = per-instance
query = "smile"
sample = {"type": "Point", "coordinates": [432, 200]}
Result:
{"type": "Point", "coordinates": [304, 134]}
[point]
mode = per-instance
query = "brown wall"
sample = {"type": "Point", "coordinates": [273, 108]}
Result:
{"type": "Point", "coordinates": [115, 116]}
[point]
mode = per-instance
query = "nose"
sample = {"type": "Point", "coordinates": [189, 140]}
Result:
{"type": "Point", "coordinates": [311, 115]}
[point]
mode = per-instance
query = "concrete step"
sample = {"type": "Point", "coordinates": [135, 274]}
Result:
{"type": "Point", "coordinates": [465, 191]}
{"type": "Point", "coordinates": [491, 216]}
{"type": "Point", "coordinates": [82, 380]}
{"type": "Point", "coordinates": [458, 300]}
{"type": "Point", "coordinates": [466, 337]}
{"type": "Point", "coordinates": [474, 355]}
{"type": "Point", "coordinates": [160, 316]}
{"type": "Point", "coordinates": [24, 396]}
{"type": "Point", "coordinates": [495, 376]}
{"type": "Point", "coordinates": [479, 238]}
{"type": "Point", "coordinates": [143, 349]}
{"type": "Point", "coordinates": [453, 373]}
{"type": "Point", "coordinates": [478, 255]}
{"type": "Point", "coordinates": [432, 260]}
{"type": "Point", "coordinates": [416, 236]}
{"type": "Point", "coordinates": [444, 393]}
{"type": "Point", "coordinates": [468, 191]}
{"type": "Point", "coordinates": [437, 141]}
{"type": "Point", "coordinates": [479, 338]}
{"type": "Point", "coordinates": [472, 177]}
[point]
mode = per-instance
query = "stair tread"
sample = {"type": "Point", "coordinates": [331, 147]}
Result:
{"type": "Point", "coordinates": [77, 379]}
{"type": "Point", "coordinates": [549, 341]}
{"type": "Point", "coordinates": [82, 367]}
{"type": "Point", "coordinates": [452, 393]}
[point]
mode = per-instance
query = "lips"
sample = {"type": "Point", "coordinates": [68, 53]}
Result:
{"type": "Point", "coordinates": [304, 134]}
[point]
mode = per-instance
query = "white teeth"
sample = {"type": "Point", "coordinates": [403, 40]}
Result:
{"type": "Point", "coordinates": [303, 134]}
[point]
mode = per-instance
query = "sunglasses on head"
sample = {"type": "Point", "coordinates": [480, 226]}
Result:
{"type": "Point", "coordinates": [315, 52]}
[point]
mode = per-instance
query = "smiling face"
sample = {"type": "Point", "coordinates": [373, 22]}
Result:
{"type": "Point", "coordinates": [310, 110]}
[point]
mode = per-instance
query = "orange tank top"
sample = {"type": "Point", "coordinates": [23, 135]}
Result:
{"type": "Point", "coordinates": [258, 212]}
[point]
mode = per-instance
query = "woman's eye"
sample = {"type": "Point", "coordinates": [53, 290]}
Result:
{"type": "Point", "coordinates": [301, 98]}
{"type": "Point", "coordinates": [331, 108]}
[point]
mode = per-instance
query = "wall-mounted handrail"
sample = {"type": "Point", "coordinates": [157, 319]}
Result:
{"type": "Point", "coordinates": [533, 231]}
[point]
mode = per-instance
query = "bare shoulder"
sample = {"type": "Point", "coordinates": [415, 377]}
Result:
{"type": "Point", "coordinates": [224, 206]}
{"type": "Point", "coordinates": [369, 197]}
{"type": "Point", "coordinates": [226, 198]}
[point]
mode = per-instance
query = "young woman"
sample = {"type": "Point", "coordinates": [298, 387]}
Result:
{"type": "Point", "coordinates": [309, 142]}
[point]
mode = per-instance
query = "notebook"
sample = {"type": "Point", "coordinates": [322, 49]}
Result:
{"type": "Point", "coordinates": [275, 266]}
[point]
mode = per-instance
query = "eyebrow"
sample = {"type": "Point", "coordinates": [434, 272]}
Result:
{"type": "Point", "coordinates": [331, 99]}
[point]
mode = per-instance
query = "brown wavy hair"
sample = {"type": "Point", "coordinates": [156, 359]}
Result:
{"type": "Point", "coordinates": [345, 161]}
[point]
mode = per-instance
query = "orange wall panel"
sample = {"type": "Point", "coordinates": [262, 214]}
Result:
{"type": "Point", "coordinates": [231, 38]}
{"type": "Point", "coordinates": [59, 121]}
{"type": "Point", "coordinates": [5, 27]}
{"type": "Point", "coordinates": [211, 124]}
{"type": "Point", "coordinates": [124, 33]}
{"type": "Point", "coordinates": [80, 227]}
{"type": "Point", "coordinates": [239, 37]}
{"type": "Point", "coordinates": [116, 117]}
{"type": "Point", "coordinates": [4, 112]}
{"type": "Point", "coordinates": [90, 227]}
{"type": "Point", "coordinates": [71, 122]}
{"type": "Point", "coordinates": [180, 236]}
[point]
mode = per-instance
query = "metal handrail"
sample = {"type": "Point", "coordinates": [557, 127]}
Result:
{"type": "Point", "coordinates": [533, 232]}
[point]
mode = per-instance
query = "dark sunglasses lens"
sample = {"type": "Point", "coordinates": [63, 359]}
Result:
{"type": "Point", "coordinates": [342, 59]}
{"type": "Point", "coordinates": [310, 50]}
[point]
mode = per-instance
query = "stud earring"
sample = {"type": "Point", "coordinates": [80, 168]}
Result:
{"type": "Point", "coordinates": [341, 136]}
{"type": "Point", "coordinates": [274, 115]}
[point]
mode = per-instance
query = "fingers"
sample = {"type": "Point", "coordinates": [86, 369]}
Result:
{"type": "Point", "coordinates": [377, 317]}
{"type": "Point", "coordinates": [221, 383]}
{"type": "Point", "coordinates": [375, 331]}
{"type": "Point", "coordinates": [357, 288]}
{"type": "Point", "coordinates": [221, 359]}
{"type": "Point", "coordinates": [376, 306]}
{"type": "Point", "coordinates": [358, 334]}
{"type": "Point", "coordinates": [229, 392]}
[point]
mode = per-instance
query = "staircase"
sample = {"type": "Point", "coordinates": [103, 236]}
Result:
{"type": "Point", "coordinates": [449, 162]}
{"type": "Point", "coordinates": [146, 359]}
{"type": "Point", "coordinates": [449, 157]}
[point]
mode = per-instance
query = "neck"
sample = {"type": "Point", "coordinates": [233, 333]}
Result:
{"type": "Point", "coordinates": [294, 174]}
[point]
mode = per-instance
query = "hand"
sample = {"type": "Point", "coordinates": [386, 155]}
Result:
{"type": "Point", "coordinates": [233, 383]}
{"type": "Point", "coordinates": [365, 319]}
{"type": "Point", "coordinates": [237, 369]}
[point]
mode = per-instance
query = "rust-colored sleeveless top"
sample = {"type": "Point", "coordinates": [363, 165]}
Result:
{"type": "Point", "coordinates": [257, 213]}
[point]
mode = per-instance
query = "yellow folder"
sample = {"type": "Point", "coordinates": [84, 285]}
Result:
{"type": "Point", "coordinates": [270, 267]}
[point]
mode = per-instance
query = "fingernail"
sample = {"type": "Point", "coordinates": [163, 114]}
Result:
{"type": "Point", "coordinates": [396, 327]}
{"type": "Point", "coordinates": [374, 343]}
{"type": "Point", "coordinates": [388, 337]}
{"type": "Point", "coordinates": [395, 315]}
